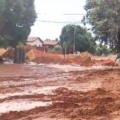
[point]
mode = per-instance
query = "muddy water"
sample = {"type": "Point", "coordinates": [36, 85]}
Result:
{"type": "Point", "coordinates": [68, 68]}
{"type": "Point", "coordinates": [23, 80]}
{"type": "Point", "coordinates": [20, 105]}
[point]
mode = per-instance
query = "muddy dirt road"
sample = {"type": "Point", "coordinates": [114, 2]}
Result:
{"type": "Point", "coordinates": [59, 92]}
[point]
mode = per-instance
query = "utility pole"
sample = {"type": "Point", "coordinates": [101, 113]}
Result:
{"type": "Point", "coordinates": [64, 45]}
{"type": "Point", "coordinates": [74, 47]}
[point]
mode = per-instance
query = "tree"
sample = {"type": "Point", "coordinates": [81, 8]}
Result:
{"type": "Point", "coordinates": [102, 50]}
{"type": "Point", "coordinates": [75, 38]}
{"type": "Point", "coordinates": [16, 19]}
{"type": "Point", "coordinates": [104, 16]}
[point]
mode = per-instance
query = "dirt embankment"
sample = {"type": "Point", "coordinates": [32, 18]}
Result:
{"type": "Point", "coordinates": [83, 59]}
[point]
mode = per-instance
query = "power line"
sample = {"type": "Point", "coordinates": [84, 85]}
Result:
{"type": "Point", "coordinates": [64, 14]}
{"type": "Point", "coordinates": [73, 14]}
{"type": "Point", "coordinates": [60, 22]}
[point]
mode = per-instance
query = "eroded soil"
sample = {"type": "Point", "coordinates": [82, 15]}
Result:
{"type": "Point", "coordinates": [50, 92]}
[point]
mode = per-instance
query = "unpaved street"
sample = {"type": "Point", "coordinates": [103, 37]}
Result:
{"type": "Point", "coordinates": [59, 92]}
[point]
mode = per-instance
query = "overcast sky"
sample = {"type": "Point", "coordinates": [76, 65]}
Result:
{"type": "Point", "coordinates": [54, 14]}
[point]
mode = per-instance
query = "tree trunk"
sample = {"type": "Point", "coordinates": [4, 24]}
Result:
{"type": "Point", "coordinates": [118, 47]}
{"type": "Point", "coordinates": [16, 55]}
{"type": "Point", "coordinates": [1, 60]}
{"type": "Point", "coordinates": [19, 56]}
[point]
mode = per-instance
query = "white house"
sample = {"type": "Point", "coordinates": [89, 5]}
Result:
{"type": "Point", "coordinates": [35, 41]}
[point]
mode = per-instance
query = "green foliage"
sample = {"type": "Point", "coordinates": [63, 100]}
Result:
{"type": "Point", "coordinates": [74, 35]}
{"type": "Point", "coordinates": [58, 49]}
{"type": "Point", "coordinates": [17, 17]}
{"type": "Point", "coordinates": [102, 50]}
{"type": "Point", "coordinates": [104, 16]}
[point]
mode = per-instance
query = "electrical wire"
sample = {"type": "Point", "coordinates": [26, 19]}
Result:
{"type": "Point", "coordinates": [64, 14]}
{"type": "Point", "coordinates": [59, 22]}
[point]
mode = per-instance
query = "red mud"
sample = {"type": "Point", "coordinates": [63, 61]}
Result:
{"type": "Point", "coordinates": [83, 59]}
{"type": "Point", "coordinates": [70, 93]}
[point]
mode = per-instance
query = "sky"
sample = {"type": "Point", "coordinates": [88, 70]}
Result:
{"type": "Point", "coordinates": [53, 15]}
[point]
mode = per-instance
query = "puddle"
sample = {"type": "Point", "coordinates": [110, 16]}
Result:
{"type": "Point", "coordinates": [20, 105]}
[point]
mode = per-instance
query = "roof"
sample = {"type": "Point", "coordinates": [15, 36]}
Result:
{"type": "Point", "coordinates": [50, 42]}
{"type": "Point", "coordinates": [32, 39]}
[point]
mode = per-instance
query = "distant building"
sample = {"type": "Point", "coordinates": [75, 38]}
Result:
{"type": "Point", "coordinates": [49, 44]}
{"type": "Point", "coordinates": [35, 41]}
{"type": "Point", "coordinates": [46, 45]}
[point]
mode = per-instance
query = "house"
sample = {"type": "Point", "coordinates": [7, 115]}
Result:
{"type": "Point", "coordinates": [35, 41]}
{"type": "Point", "coordinates": [46, 45]}
{"type": "Point", "coordinates": [49, 44]}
